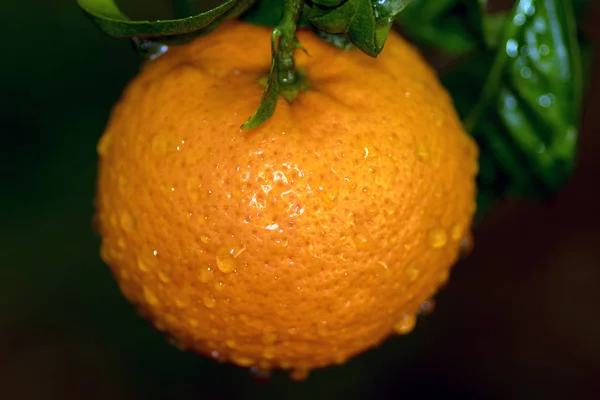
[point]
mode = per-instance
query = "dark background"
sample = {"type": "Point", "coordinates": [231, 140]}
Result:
{"type": "Point", "coordinates": [519, 319]}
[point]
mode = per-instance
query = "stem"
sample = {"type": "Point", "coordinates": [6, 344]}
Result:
{"type": "Point", "coordinates": [288, 42]}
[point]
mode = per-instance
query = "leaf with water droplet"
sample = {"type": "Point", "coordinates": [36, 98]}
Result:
{"type": "Point", "coordinates": [365, 22]}
{"type": "Point", "coordinates": [107, 16]}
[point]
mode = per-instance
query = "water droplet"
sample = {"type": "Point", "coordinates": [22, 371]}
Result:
{"type": "Point", "coordinates": [412, 273]}
{"type": "Point", "coordinates": [362, 238]}
{"type": "Point", "coordinates": [164, 278]}
{"type": "Point", "coordinates": [545, 100]}
{"type": "Point", "coordinates": [150, 296]}
{"type": "Point", "coordinates": [405, 324]}
{"type": "Point", "coordinates": [526, 72]}
{"type": "Point", "coordinates": [147, 260]}
{"type": "Point", "coordinates": [457, 232]}
{"type": "Point", "coordinates": [268, 337]}
{"type": "Point", "coordinates": [437, 238]}
{"type": "Point", "coordinates": [544, 50]}
{"type": "Point", "coordinates": [205, 239]}
{"type": "Point", "coordinates": [127, 222]}
{"type": "Point", "coordinates": [512, 48]}
{"type": "Point", "coordinates": [225, 260]}
{"type": "Point", "coordinates": [519, 19]}
{"type": "Point", "coordinates": [299, 374]}
{"type": "Point", "coordinates": [104, 144]}
{"type": "Point", "coordinates": [214, 354]}
{"type": "Point", "coordinates": [466, 246]}
{"type": "Point", "coordinates": [242, 361]}
{"type": "Point", "coordinates": [260, 373]}
{"type": "Point", "coordinates": [422, 152]}
{"type": "Point", "coordinates": [427, 307]}
{"type": "Point", "coordinates": [327, 190]}
{"type": "Point", "coordinates": [206, 274]}
{"type": "Point", "coordinates": [208, 299]}
{"type": "Point", "coordinates": [293, 330]}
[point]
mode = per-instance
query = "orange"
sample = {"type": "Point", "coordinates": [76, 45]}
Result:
{"type": "Point", "coordinates": [297, 244]}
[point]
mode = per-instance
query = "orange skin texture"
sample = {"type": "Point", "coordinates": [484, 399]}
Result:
{"type": "Point", "coordinates": [297, 244]}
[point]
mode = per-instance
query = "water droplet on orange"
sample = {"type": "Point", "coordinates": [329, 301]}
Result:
{"type": "Point", "coordinates": [422, 152]}
{"type": "Point", "coordinates": [208, 299]}
{"type": "Point", "coordinates": [457, 232]}
{"type": "Point", "coordinates": [147, 260]}
{"type": "Point", "coordinates": [437, 238]}
{"type": "Point", "coordinates": [226, 262]}
{"type": "Point", "coordinates": [269, 337]}
{"type": "Point", "coordinates": [412, 273]}
{"type": "Point", "coordinates": [299, 374]}
{"type": "Point", "coordinates": [242, 361]}
{"type": "Point", "coordinates": [164, 278]}
{"type": "Point", "coordinates": [150, 296]}
{"type": "Point", "coordinates": [127, 222]}
{"type": "Point", "coordinates": [405, 324]}
{"type": "Point", "coordinates": [104, 144]}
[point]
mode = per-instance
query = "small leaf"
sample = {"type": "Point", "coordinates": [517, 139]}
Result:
{"type": "Point", "coordinates": [109, 18]}
{"type": "Point", "coordinates": [270, 96]}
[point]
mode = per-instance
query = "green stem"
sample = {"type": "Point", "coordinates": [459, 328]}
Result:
{"type": "Point", "coordinates": [288, 43]}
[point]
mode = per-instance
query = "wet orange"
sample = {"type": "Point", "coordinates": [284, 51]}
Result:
{"type": "Point", "coordinates": [297, 244]}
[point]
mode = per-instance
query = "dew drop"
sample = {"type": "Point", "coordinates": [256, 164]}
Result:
{"type": "Point", "coordinates": [147, 260]}
{"type": "Point", "coordinates": [242, 361]}
{"type": "Point", "coordinates": [293, 330]}
{"type": "Point", "coordinates": [206, 274]}
{"type": "Point", "coordinates": [437, 238]}
{"type": "Point", "coordinates": [205, 239]}
{"type": "Point", "coordinates": [104, 144]}
{"type": "Point", "coordinates": [427, 307]}
{"type": "Point", "coordinates": [299, 374]}
{"type": "Point", "coordinates": [150, 296]}
{"type": "Point", "coordinates": [208, 299]}
{"type": "Point", "coordinates": [422, 152]}
{"type": "Point", "coordinates": [127, 222]}
{"type": "Point", "coordinates": [361, 238]}
{"type": "Point", "coordinates": [260, 373]}
{"type": "Point", "coordinates": [225, 260]}
{"type": "Point", "coordinates": [457, 232]}
{"type": "Point", "coordinates": [268, 337]}
{"type": "Point", "coordinates": [405, 324]}
{"type": "Point", "coordinates": [164, 278]}
{"type": "Point", "coordinates": [412, 273]}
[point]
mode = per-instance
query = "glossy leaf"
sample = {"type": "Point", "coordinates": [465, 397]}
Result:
{"type": "Point", "coordinates": [448, 25]}
{"type": "Point", "coordinates": [109, 18]}
{"type": "Point", "coordinates": [365, 22]}
{"type": "Point", "coordinates": [532, 94]}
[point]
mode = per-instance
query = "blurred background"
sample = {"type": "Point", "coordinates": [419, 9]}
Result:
{"type": "Point", "coordinates": [519, 318]}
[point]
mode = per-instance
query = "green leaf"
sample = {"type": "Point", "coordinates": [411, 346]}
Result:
{"type": "Point", "coordinates": [449, 25]}
{"type": "Point", "coordinates": [528, 112]}
{"type": "Point", "coordinates": [365, 22]}
{"type": "Point", "coordinates": [268, 102]}
{"type": "Point", "coordinates": [109, 18]}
